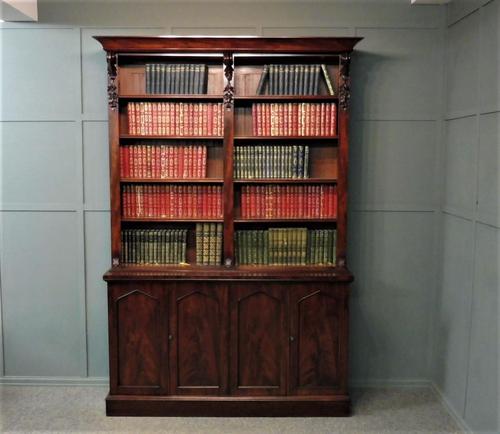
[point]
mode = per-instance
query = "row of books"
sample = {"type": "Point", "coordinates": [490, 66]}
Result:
{"type": "Point", "coordinates": [294, 119]}
{"type": "Point", "coordinates": [162, 161]}
{"type": "Point", "coordinates": [153, 246]}
{"type": "Point", "coordinates": [288, 201]}
{"type": "Point", "coordinates": [208, 243]}
{"type": "Point", "coordinates": [172, 201]}
{"type": "Point", "coordinates": [175, 119]}
{"type": "Point", "coordinates": [285, 246]}
{"type": "Point", "coordinates": [271, 161]}
{"type": "Point", "coordinates": [293, 80]}
{"type": "Point", "coordinates": [176, 78]}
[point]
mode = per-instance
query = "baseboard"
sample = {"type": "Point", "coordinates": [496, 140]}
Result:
{"type": "Point", "coordinates": [104, 381]}
{"type": "Point", "coordinates": [228, 406]}
{"type": "Point", "coordinates": [54, 381]}
{"type": "Point", "coordinates": [389, 383]}
{"type": "Point", "coordinates": [453, 412]}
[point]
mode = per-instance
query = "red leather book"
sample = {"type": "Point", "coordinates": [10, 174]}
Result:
{"type": "Point", "coordinates": [154, 119]}
{"type": "Point", "coordinates": [212, 212]}
{"type": "Point", "coordinates": [131, 117]}
{"type": "Point", "coordinates": [193, 119]}
{"type": "Point", "coordinates": [335, 202]}
{"type": "Point", "coordinates": [204, 116]}
{"type": "Point", "coordinates": [188, 120]}
{"type": "Point", "coordinates": [281, 118]}
{"type": "Point", "coordinates": [122, 162]}
{"type": "Point", "coordinates": [208, 126]}
{"type": "Point", "coordinates": [202, 162]}
{"type": "Point", "coordinates": [124, 203]}
{"type": "Point", "coordinates": [333, 121]}
{"type": "Point", "coordinates": [254, 120]}
{"type": "Point", "coordinates": [314, 120]}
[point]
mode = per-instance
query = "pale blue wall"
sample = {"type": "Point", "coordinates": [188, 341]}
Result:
{"type": "Point", "coordinates": [55, 219]}
{"type": "Point", "coordinates": [467, 323]}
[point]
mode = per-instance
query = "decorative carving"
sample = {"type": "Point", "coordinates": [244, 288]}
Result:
{"type": "Point", "coordinates": [112, 85]}
{"type": "Point", "coordinates": [228, 73]}
{"type": "Point", "coordinates": [345, 81]}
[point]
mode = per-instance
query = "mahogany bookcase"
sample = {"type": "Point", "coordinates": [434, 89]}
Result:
{"type": "Point", "coordinates": [229, 339]}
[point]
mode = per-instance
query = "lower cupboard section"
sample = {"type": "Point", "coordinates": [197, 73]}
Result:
{"type": "Point", "coordinates": [180, 345]}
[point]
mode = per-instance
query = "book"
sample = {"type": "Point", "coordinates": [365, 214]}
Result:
{"type": "Point", "coordinates": [153, 246]}
{"type": "Point", "coordinates": [294, 119]}
{"type": "Point", "coordinates": [328, 82]}
{"type": "Point", "coordinates": [262, 80]}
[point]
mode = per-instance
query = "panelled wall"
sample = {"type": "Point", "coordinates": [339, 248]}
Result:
{"type": "Point", "coordinates": [55, 218]}
{"type": "Point", "coordinates": [467, 323]}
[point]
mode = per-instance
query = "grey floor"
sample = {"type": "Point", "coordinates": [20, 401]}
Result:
{"type": "Point", "coordinates": [81, 409]}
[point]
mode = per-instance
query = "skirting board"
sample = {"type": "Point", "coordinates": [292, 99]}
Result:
{"type": "Point", "coordinates": [453, 412]}
{"type": "Point", "coordinates": [54, 381]}
{"type": "Point", "coordinates": [104, 381]}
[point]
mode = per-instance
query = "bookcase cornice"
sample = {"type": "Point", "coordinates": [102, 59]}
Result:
{"type": "Point", "coordinates": [239, 44]}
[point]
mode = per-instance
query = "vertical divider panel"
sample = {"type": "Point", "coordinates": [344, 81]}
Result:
{"type": "Point", "coordinates": [114, 156]}
{"type": "Point", "coordinates": [228, 190]}
{"type": "Point", "coordinates": [343, 158]}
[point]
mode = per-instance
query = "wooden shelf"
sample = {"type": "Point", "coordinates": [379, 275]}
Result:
{"type": "Point", "coordinates": [194, 271]}
{"type": "Point", "coordinates": [285, 220]}
{"type": "Point", "coordinates": [294, 138]}
{"type": "Point", "coordinates": [170, 220]}
{"type": "Point", "coordinates": [287, 98]}
{"type": "Point", "coordinates": [171, 97]}
{"type": "Point", "coordinates": [172, 180]}
{"type": "Point", "coordinates": [286, 181]}
{"type": "Point", "coordinates": [148, 137]}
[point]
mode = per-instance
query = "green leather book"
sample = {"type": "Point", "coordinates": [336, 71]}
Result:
{"type": "Point", "coordinates": [198, 241]}
{"type": "Point", "coordinates": [166, 78]}
{"type": "Point", "coordinates": [262, 80]}
{"type": "Point", "coordinates": [148, 77]}
{"type": "Point", "coordinates": [182, 79]}
{"type": "Point", "coordinates": [316, 75]}
{"type": "Point", "coordinates": [301, 70]}
{"type": "Point", "coordinates": [281, 79]}
{"type": "Point", "coordinates": [273, 79]}
{"type": "Point", "coordinates": [266, 247]}
{"type": "Point", "coordinates": [218, 246]}
{"type": "Point", "coordinates": [328, 82]}
{"type": "Point", "coordinates": [161, 78]}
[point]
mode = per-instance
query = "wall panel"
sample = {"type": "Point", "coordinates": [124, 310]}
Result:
{"type": "Point", "coordinates": [42, 296]}
{"type": "Point", "coordinates": [40, 73]}
{"type": "Point", "coordinates": [39, 164]}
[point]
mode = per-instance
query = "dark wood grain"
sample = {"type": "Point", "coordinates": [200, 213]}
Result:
{"type": "Point", "coordinates": [211, 44]}
{"type": "Point", "coordinates": [138, 327]}
{"type": "Point", "coordinates": [258, 347]}
{"type": "Point", "coordinates": [209, 406]}
{"type": "Point", "coordinates": [318, 356]}
{"type": "Point", "coordinates": [198, 339]}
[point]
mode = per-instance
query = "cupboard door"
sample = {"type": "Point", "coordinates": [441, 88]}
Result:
{"type": "Point", "coordinates": [258, 330]}
{"type": "Point", "coordinates": [198, 339]}
{"type": "Point", "coordinates": [318, 339]}
{"type": "Point", "coordinates": [137, 333]}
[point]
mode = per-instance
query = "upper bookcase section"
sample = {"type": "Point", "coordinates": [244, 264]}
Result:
{"type": "Point", "coordinates": [222, 44]}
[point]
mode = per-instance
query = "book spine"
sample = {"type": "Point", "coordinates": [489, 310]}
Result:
{"type": "Point", "coordinates": [281, 79]}
{"type": "Point", "coordinates": [328, 82]}
{"type": "Point", "coordinates": [148, 77]}
{"type": "Point", "coordinates": [262, 80]}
